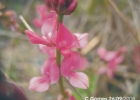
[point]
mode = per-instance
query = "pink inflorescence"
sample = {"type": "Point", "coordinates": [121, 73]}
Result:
{"type": "Point", "coordinates": [55, 36]}
{"type": "Point", "coordinates": [113, 59]}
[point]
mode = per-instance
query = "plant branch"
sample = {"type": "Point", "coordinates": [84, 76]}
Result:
{"type": "Point", "coordinates": [58, 61]}
{"type": "Point", "coordinates": [25, 23]}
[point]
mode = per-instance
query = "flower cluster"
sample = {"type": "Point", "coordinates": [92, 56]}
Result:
{"type": "Point", "coordinates": [9, 20]}
{"type": "Point", "coordinates": [113, 58]}
{"type": "Point", "coordinates": [56, 37]}
{"type": "Point", "coordinates": [62, 6]}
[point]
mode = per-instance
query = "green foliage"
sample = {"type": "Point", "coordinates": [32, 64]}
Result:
{"type": "Point", "coordinates": [12, 72]}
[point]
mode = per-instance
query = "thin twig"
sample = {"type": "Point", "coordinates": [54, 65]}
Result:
{"type": "Point", "coordinates": [135, 16]}
{"type": "Point", "coordinates": [91, 45]}
{"type": "Point", "coordinates": [25, 23]}
{"type": "Point", "coordinates": [124, 20]}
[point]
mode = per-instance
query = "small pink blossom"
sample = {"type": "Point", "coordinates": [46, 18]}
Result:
{"type": "Point", "coordinates": [113, 58]}
{"type": "Point", "coordinates": [82, 38]}
{"type": "Point", "coordinates": [48, 34]}
{"type": "Point", "coordinates": [50, 74]}
{"type": "Point", "coordinates": [68, 68]}
{"type": "Point", "coordinates": [50, 51]}
{"type": "Point", "coordinates": [44, 14]}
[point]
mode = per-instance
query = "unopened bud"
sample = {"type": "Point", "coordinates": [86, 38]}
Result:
{"type": "Point", "coordinates": [49, 4]}
{"type": "Point", "coordinates": [61, 6]}
{"type": "Point", "coordinates": [65, 7]}
{"type": "Point", "coordinates": [71, 7]}
{"type": "Point", "coordinates": [54, 4]}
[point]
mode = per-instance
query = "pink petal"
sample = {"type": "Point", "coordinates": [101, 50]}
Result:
{"type": "Point", "coordinates": [44, 14]}
{"type": "Point", "coordinates": [50, 51]}
{"type": "Point", "coordinates": [41, 9]}
{"type": "Point", "coordinates": [119, 60]}
{"type": "Point", "coordinates": [101, 52]}
{"type": "Point", "coordinates": [83, 39]}
{"type": "Point", "coordinates": [70, 63]}
{"type": "Point", "coordinates": [107, 56]}
{"type": "Point", "coordinates": [64, 37]}
{"type": "Point", "coordinates": [40, 84]}
{"type": "Point", "coordinates": [83, 63]}
{"type": "Point", "coordinates": [45, 70]}
{"type": "Point", "coordinates": [66, 52]}
{"type": "Point", "coordinates": [50, 68]}
{"type": "Point", "coordinates": [36, 39]}
{"type": "Point", "coordinates": [49, 29]}
{"type": "Point", "coordinates": [75, 43]}
{"type": "Point", "coordinates": [79, 80]}
{"type": "Point", "coordinates": [76, 60]}
{"type": "Point", "coordinates": [110, 73]}
{"type": "Point", "coordinates": [111, 68]}
{"type": "Point", "coordinates": [112, 65]}
{"type": "Point", "coordinates": [122, 49]}
{"type": "Point", "coordinates": [66, 67]}
{"type": "Point", "coordinates": [54, 73]}
{"type": "Point", "coordinates": [71, 7]}
{"type": "Point", "coordinates": [37, 23]}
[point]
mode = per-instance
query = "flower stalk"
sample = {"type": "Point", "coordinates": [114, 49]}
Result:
{"type": "Point", "coordinates": [58, 61]}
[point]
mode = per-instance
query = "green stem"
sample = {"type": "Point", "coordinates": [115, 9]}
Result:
{"type": "Point", "coordinates": [58, 61]}
{"type": "Point", "coordinates": [60, 18]}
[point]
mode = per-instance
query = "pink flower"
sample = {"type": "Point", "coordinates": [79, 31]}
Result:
{"type": "Point", "coordinates": [63, 40]}
{"type": "Point", "coordinates": [82, 38]}
{"type": "Point", "coordinates": [113, 58]}
{"type": "Point", "coordinates": [68, 68]}
{"type": "Point", "coordinates": [50, 74]}
{"type": "Point", "coordinates": [50, 51]}
{"type": "Point", "coordinates": [44, 14]}
{"type": "Point", "coordinates": [48, 34]}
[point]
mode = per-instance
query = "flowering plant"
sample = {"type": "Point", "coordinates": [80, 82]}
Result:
{"type": "Point", "coordinates": [57, 41]}
{"type": "Point", "coordinates": [113, 59]}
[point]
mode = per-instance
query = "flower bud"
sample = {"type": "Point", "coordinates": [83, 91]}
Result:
{"type": "Point", "coordinates": [49, 4]}
{"type": "Point", "coordinates": [71, 7]}
{"type": "Point", "coordinates": [55, 2]}
{"type": "Point", "coordinates": [62, 6]}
